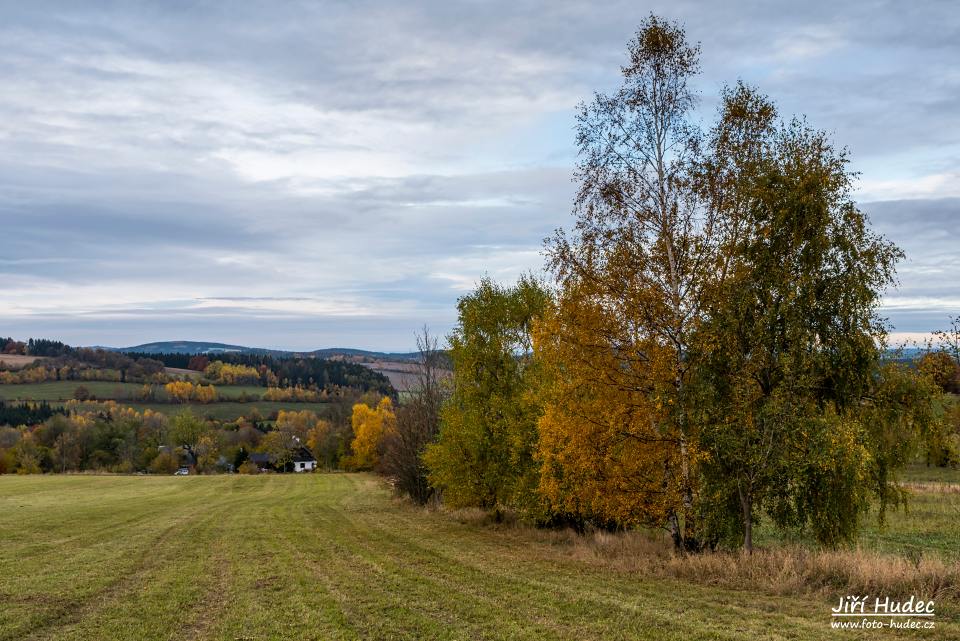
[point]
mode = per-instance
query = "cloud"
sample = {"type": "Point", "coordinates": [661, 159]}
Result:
{"type": "Point", "coordinates": [929, 234]}
{"type": "Point", "coordinates": [323, 173]}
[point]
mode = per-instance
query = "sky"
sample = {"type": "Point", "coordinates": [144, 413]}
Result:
{"type": "Point", "coordinates": [300, 175]}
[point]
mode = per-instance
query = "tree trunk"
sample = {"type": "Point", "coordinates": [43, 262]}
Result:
{"type": "Point", "coordinates": [690, 540]}
{"type": "Point", "coordinates": [675, 534]}
{"type": "Point", "coordinates": [746, 505]}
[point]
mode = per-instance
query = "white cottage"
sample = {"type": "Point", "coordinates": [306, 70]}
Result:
{"type": "Point", "coordinates": [303, 461]}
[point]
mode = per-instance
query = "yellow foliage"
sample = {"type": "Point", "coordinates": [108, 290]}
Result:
{"type": "Point", "coordinates": [295, 394]}
{"type": "Point", "coordinates": [370, 425]}
{"type": "Point", "coordinates": [230, 374]}
{"type": "Point", "coordinates": [297, 424]}
{"type": "Point", "coordinates": [185, 391]}
{"type": "Point", "coordinates": [606, 446]}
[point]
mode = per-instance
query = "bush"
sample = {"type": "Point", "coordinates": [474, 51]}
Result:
{"type": "Point", "coordinates": [165, 463]}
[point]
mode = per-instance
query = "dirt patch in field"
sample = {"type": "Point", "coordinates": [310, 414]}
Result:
{"type": "Point", "coordinates": [402, 374]}
{"type": "Point", "coordinates": [177, 371]}
{"type": "Point", "coordinates": [16, 361]}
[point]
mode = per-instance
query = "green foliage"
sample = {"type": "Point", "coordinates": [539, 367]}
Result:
{"type": "Point", "coordinates": [187, 429]}
{"type": "Point", "coordinates": [484, 454]}
{"type": "Point", "coordinates": [799, 420]}
{"type": "Point", "coordinates": [165, 462]}
{"type": "Point", "coordinates": [943, 368]}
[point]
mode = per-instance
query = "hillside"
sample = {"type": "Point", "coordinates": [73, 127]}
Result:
{"type": "Point", "coordinates": [203, 347]}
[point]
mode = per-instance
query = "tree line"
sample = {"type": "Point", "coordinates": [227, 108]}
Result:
{"type": "Point", "coordinates": [292, 371]}
{"type": "Point", "coordinates": [34, 347]}
{"type": "Point", "coordinates": [26, 412]}
{"type": "Point", "coordinates": [89, 436]}
{"type": "Point", "coordinates": [63, 362]}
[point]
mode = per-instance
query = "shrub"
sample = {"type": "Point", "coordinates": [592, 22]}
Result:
{"type": "Point", "coordinates": [165, 463]}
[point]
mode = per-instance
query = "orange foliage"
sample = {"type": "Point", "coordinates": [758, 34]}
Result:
{"type": "Point", "coordinates": [606, 446]}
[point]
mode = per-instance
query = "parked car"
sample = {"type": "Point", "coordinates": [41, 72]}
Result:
{"type": "Point", "coordinates": [183, 471]}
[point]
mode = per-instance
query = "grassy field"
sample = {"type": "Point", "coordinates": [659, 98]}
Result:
{"type": "Point", "coordinates": [103, 390]}
{"type": "Point", "coordinates": [63, 390]}
{"type": "Point", "coordinates": [929, 524]}
{"type": "Point", "coordinates": [333, 557]}
{"type": "Point", "coordinates": [229, 411]}
{"type": "Point", "coordinates": [16, 361]}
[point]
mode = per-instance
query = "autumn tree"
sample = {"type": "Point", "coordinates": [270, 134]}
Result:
{"type": "Point", "coordinates": [232, 374]}
{"type": "Point", "coordinates": [797, 417]}
{"type": "Point", "coordinates": [165, 462]}
{"type": "Point", "coordinates": [941, 361]}
{"type": "Point", "coordinates": [484, 453]}
{"type": "Point", "coordinates": [604, 455]}
{"type": "Point", "coordinates": [187, 430]}
{"type": "Point", "coordinates": [296, 425]}
{"type": "Point", "coordinates": [370, 426]}
{"type": "Point", "coordinates": [418, 422]}
{"type": "Point", "coordinates": [949, 339]}
{"type": "Point", "coordinates": [318, 439]}
{"type": "Point", "coordinates": [208, 451]}
{"type": "Point", "coordinates": [198, 363]}
{"type": "Point", "coordinates": [179, 391]}
{"type": "Point", "coordinates": [185, 391]}
{"type": "Point", "coordinates": [643, 258]}
{"type": "Point", "coordinates": [942, 369]}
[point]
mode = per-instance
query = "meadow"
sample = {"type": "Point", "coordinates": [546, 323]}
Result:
{"type": "Point", "coordinates": [335, 556]}
{"type": "Point", "coordinates": [58, 392]}
{"type": "Point", "coordinates": [103, 390]}
{"type": "Point", "coordinates": [230, 411]}
{"type": "Point", "coordinates": [929, 524]}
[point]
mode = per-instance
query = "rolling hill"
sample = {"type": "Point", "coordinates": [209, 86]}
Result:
{"type": "Point", "coordinates": [203, 347]}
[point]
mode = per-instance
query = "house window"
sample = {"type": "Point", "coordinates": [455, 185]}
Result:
{"type": "Point", "coordinates": [301, 465]}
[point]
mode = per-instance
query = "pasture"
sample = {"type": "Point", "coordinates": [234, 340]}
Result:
{"type": "Point", "coordinates": [58, 392]}
{"type": "Point", "coordinates": [16, 361]}
{"type": "Point", "coordinates": [334, 556]}
{"type": "Point", "coordinates": [103, 390]}
{"type": "Point", "coordinates": [229, 411]}
{"type": "Point", "coordinates": [63, 390]}
{"type": "Point", "coordinates": [928, 525]}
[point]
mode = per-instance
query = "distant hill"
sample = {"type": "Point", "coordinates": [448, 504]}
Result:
{"type": "Point", "coordinates": [193, 347]}
{"type": "Point", "coordinates": [201, 347]}
{"type": "Point", "coordinates": [347, 352]}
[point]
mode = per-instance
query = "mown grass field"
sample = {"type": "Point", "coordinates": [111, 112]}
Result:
{"type": "Point", "coordinates": [333, 556]}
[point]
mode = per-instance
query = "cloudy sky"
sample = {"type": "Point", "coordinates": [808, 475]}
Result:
{"type": "Point", "coordinates": [315, 174]}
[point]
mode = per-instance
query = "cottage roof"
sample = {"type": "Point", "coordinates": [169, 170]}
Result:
{"type": "Point", "coordinates": [303, 455]}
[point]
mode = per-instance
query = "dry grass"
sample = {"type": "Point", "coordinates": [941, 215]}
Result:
{"type": "Point", "coordinates": [932, 486]}
{"type": "Point", "coordinates": [781, 570]}
{"type": "Point", "coordinates": [17, 361]}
